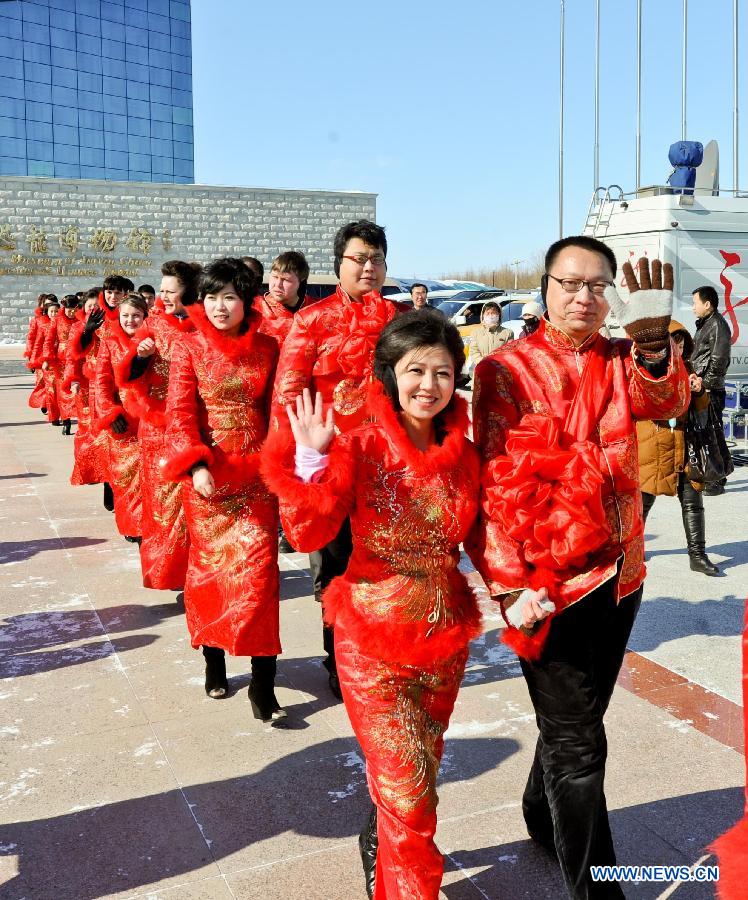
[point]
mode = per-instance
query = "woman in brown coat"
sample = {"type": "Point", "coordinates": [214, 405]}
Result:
{"type": "Point", "coordinates": [662, 460]}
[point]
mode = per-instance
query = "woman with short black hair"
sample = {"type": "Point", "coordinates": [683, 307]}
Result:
{"type": "Point", "coordinates": [403, 612]}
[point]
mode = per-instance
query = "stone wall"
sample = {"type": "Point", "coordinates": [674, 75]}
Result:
{"type": "Point", "coordinates": [61, 236]}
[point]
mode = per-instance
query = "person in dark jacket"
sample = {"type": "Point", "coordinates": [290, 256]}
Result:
{"type": "Point", "coordinates": [711, 353]}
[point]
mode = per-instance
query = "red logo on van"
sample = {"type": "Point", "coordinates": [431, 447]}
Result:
{"type": "Point", "coordinates": [731, 259]}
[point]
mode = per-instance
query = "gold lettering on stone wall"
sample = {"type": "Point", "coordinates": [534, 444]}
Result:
{"type": "Point", "coordinates": [6, 238]}
{"type": "Point", "coordinates": [37, 240]}
{"type": "Point", "coordinates": [140, 240]}
{"type": "Point", "coordinates": [166, 239]}
{"type": "Point", "coordinates": [104, 240]}
{"type": "Point", "coordinates": [69, 239]}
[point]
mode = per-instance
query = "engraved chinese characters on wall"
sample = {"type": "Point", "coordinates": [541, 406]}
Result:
{"type": "Point", "coordinates": [37, 240]}
{"type": "Point", "coordinates": [104, 240]}
{"type": "Point", "coordinates": [69, 239]}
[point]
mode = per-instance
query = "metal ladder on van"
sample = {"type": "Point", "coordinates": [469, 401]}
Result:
{"type": "Point", "coordinates": [596, 220]}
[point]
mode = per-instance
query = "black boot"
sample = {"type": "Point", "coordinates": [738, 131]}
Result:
{"type": "Point", "coordinates": [108, 497]}
{"type": "Point", "coordinates": [56, 423]}
{"type": "Point", "coordinates": [692, 507]}
{"type": "Point", "coordinates": [216, 683]}
{"type": "Point", "coordinates": [66, 426]}
{"type": "Point", "coordinates": [368, 842]}
{"type": "Point", "coordinates": [261, 691]}
{"type": "Point", "coordinates": [43, 410]}
{"type": "Point", "coordinates": [328, 644]}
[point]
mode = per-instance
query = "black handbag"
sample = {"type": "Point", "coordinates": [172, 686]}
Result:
{"type": "Point", "coordinates": [708, 459]}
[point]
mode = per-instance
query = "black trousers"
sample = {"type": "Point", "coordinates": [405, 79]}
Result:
{"type": "Point", "coordinates": [717, 400]}
{"type": "Point", "coordinates": [326, 564]}
{"type": "Point", "coordinates": [570, 687]}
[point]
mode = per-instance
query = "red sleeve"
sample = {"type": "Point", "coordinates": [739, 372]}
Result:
{"type": "Point", "coordinates": [658, 398]}
{"type": "Point", "coordinates": [124, 369]}
{"type": "Point", "coordinates": [294, 371]}
{"type": "Point", "coordinates": [37, 348]}
{"type": "Point", "coordinates": [49, 349]}
{"type": "Point", "coordinates": [33, 325]}
{"type": "Point", "coordinates": [497, 557]}
{"type": "Point", "coordinates": [312, 513]}
{"type": "Point", "coordinates": [73, 363]}
{"type": "Point", "coordinates": [108, 405]}
{"type": "Point", "coordinates": [184, 444]}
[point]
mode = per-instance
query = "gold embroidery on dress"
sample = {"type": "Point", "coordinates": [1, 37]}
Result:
{"type": "Point", "coordinates": [348, 396]}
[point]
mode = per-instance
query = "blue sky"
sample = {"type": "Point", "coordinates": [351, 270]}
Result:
{"type": "Point", "coordinates": [450, 111]}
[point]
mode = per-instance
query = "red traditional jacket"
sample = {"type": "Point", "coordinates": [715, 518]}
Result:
{"type": "Point", "coordinates": [402, 596]}
{"type": "Point", "coordinates": [31, 336]}
{"type": "Point", "coordinates": [561, 505]}
{"type": "Point", "coordinates": [330, 349]}
{"type": "Point", "coordinates": [218, 402]}
{"type": "Point", "coordinates": [151, 387]}
{"type": "Point", "coordinates": [56, 340]}
{"type": "Point", "coordinates": [277, 318]}
{"type": "Point", "coordinates": [111, 400]}
{"type": "Point", "coordinates": [36, 354]}
{"type": "Point", "coordinates": [74, 357]}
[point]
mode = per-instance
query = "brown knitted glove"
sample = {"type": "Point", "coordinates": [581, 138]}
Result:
{"type": "Point", "coordinates": [646, 316]}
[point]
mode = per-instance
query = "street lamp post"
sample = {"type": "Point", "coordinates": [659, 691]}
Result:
{"type": "Point", "coordinates": [516, 263]}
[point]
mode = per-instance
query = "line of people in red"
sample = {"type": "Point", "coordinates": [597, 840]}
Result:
{"type": "Point", "coordinates": [221, 407]}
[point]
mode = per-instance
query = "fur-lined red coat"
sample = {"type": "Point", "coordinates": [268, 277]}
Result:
{"type": "Point", "coordinates": [54, 353]}
{"type": "Point", "coordinates": [165, 544]}
{"type": "Point", "coordinates": [330, 349]}
{"type": "Point", "coordinates": [31, 336]}
{"type": "Point", "coordinates": [217, 413]}
{"type": "Point", "coordinates": [402, 596]}
{"type": "Point", "coordinates": [44, 394]}
{"type": "Point", "coordinates": [561, 505]}
{"type": "Point", "coordinates": [277, 318]}
{"type": "Point", "coordinates": [123, 451]}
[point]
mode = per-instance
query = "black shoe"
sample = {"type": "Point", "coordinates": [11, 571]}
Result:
{"type": "Point", "coordinates": [368, 843]}
{"type": "Point", "coordinates": [334, 683]}
{"type": "Point", "coordinates": [264, 703]}
{"type": "Point", "coordinates": [56, 422]}
{"type": "Point", "coordinates": [133, 539]}
{"type": "Point", "coordinates": [284, 546]}
{"type": "Point", "coordinates": [108, 497]}
{"type": "Point", "coordinates": [700, 562]}
{"type": "Point", "coordinates": [180, 598]}
{"type": "Point", "coordinates": [66, 426]}
{"type": "Point", "coordinates": [216, 683]}
{"type": "Point", "coordinates": [714, 490]}
{"type": "Point", "coordinates": [43, 410]}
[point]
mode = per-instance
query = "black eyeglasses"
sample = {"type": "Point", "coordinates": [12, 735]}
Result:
{"type": "Point", "coordinates": [575, 285]}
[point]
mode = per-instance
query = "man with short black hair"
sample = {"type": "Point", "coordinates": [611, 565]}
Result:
{"type": "Point", "coordinates": [560, 543]}
{"type": "Point", "coordinates": [148, 293]}
{"type": "Point", "coordinates": [419, 294]}
{"type": "Point", "coordinates": [330, 350]}
{"type": "Point", "coordinates": [711, 355]}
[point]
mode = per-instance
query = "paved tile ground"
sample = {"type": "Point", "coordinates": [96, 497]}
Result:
{"type": "Point", "coordinates": [119, 778]}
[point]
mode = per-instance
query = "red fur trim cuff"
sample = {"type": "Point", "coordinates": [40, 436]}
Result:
{"type": "Point", "coordinates": [123, 367]}
{"type": "Point", "coordinates": [104, 420]}
{"type": "Point", "coordinates": [527, 646]}
{"type": "Point", "coordinates": [178, 464]}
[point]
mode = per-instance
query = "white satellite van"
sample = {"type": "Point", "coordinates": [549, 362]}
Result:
{"type": "Point", "coordinates": [703, 234]}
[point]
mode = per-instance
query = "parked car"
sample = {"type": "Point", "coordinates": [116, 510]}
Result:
{"type": "Point", "coordinates": [319, 286]}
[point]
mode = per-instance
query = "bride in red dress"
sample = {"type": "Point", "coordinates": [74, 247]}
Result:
{"type": "Point", "coordinates": [403, 612]}
{"type": "Point", "coordinates": [217, 418]}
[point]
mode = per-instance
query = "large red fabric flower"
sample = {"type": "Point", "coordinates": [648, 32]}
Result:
{"type": "Point", "coordinates": [546, 488]}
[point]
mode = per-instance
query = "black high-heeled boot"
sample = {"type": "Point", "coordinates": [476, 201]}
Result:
{"type": "Point", "coordinates": [108, 497]}
{"type": "Point", "coordinates": [261, 691]}
{"type": "Point", "coordinates": [368, 843]}
{"type": "Point", "coordinates": [216, 683]}
{"type": "Point", "coordinates": [692, 508]}
{"type": "Point", "coordinates": [66, 426]}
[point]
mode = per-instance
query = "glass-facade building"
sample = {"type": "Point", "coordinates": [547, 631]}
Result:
{"type": "Point", "coordinates": [96, 89]}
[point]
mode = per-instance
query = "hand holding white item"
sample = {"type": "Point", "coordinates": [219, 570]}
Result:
{"type": "Point", "coordinates": [530, 608]}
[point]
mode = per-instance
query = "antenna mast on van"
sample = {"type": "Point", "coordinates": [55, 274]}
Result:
{"type": "Point", "coordinates": [735, 96]}
{"type": "Point", "coordinates": [684, 72]}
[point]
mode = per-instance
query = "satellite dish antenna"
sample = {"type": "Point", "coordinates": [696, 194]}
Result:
{"type": "Point", "coordinates": [707, 174]}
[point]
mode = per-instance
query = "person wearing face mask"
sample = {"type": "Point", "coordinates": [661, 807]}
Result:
{"type": "Point", "coordinates": [662, 462]}
{"type": "Point", "coordinates": [217, 407]}
{"type": "Point", "coordinates": [532, 313]}
{"type": "Point", "coordinates": [53, 355]}
{"type": "Point", "coordinates": [403, 612]}
{"type": "Point", "coordinates": [145, 370]}
{"type": "Point", "coordinates": [489, 335]}
{"type": "Point", "coordinates": [117, 416]}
